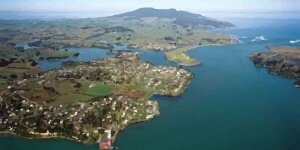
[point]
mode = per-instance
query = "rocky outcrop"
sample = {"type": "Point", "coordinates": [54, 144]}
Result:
{"type": "Point", "coordinates": [103, 46]}
{"type": "Point", "coordinates": [283, 61]}
{"type": "Point", "coordinates": [297, 84]}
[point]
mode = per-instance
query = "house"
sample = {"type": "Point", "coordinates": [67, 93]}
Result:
{"type": "Point", "coordinates": [106, 142]}
{"type": "Point", "coordinates": [105, 145]}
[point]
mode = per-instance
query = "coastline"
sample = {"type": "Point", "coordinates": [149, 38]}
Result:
{"type": "Point", "coordinates": [180, 57]}
{"type": "Point", "coordinates": [151, 107]}
{"type": "Point", "coordinates": [7, 133]}
{"type": "Point", "coordinates": [184, 50]}
{"type": "Point", "coordinates": [279, 60]}
{"type": "Point", "coordinates": [155, 113]}
{"type": "Point", "coordinates": [39, 136]}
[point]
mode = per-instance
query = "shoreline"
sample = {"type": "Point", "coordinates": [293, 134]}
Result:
{"type": "Point", "coordinates": [38, 136]}
{"type": "Point", "coordinates": [279, 61]}
{"type": "Point", "coordinates": [197, 62]}
{"type": "Point", "coordinates": [55, 137]}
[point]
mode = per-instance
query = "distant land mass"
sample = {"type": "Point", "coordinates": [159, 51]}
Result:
{"type": "Point", "coordinates": [181, 18]}
{"type": "Point", "coordinates": [169, 30]}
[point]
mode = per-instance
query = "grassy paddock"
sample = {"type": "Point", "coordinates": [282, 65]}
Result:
{"type": "Point", "coordinates": [179, 56]}
{"type": "Point", "coordinates": [69, 99]}
{"type": "Point", "coordinates": [3, 85]}
{"type": "Point", "coordinates": [99, 90]}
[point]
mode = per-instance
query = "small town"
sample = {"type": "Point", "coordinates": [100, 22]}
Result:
{"type": "Point", "coordinates": [89, 102]}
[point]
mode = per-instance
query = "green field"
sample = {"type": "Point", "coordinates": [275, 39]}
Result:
{"type": "Point", "coordinates": [3, 85]}
{"type": "Point", "coordinates": [70, 98]}
{"type": "Point", "coordinates": [179, 56]}
{"type": "Point", "coordinates": [35, 54]}
{"type": "Point", "coordinates": [5, 73]}
{"type": "Point", "coordinates": [99, 90]}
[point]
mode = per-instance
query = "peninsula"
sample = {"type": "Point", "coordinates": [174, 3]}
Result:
{"type": "Point", "coordinates": [87, 102]}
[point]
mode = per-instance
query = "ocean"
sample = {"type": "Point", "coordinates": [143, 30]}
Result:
{"type": "Point", "coordinates": [230, 103]}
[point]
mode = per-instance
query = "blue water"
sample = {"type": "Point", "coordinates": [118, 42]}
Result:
{"type": "Point", "coordinates": [86, 54]}
{"type": "Point", "coordinates": [230, 104]}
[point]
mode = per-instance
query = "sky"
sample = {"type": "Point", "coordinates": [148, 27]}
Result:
{"type": "Point", "coordinates": [118, 6]}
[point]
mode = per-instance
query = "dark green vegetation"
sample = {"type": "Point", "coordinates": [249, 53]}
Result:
{"type": "Point", "coordinates": [16, 63]}
{"type": "Point", "coordinates": [181, 18]}
{"type": "Point", "coordinates": [3, 86]}
{"type": "Point", "coordinates": [35, 54]}
{"type": "Point", "coordinates": [280, 60]}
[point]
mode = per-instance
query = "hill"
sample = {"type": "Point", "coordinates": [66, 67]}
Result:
{"type": "Point", "coordinates": [181, 18]}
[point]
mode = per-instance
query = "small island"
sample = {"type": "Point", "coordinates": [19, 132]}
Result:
{"type": "Point", "coordinates": [281, 61]}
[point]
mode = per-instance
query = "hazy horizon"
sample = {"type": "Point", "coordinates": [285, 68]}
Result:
{"type": "Point", "coordinates": [27, 9]}
{"type": "Point", "coordinates": [16, 15]}
{"type": "Point", "coordinates": [118, 6]}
